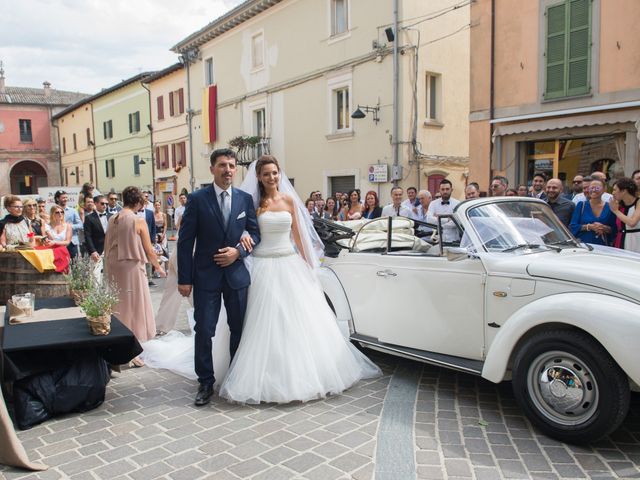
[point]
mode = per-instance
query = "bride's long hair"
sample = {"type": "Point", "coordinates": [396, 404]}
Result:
{"type": "Point", "coordinates": [260, 163]}
{"type": "Point", "coordinates": [311, 243]}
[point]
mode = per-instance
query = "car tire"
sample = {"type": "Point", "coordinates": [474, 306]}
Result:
{"type": "Point", "coordinates": [569, 386]}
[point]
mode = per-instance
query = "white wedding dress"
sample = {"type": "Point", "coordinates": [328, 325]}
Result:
{"type": "Point", "coordinates": [291, 347]}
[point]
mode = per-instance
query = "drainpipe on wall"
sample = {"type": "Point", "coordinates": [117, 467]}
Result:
{"type": "Point", "coordinates": [396, 106]}
{"type": "Point", "coordinates": [187, 56]}
{"type": "Point", "coordinates": [54, 124]}
{"type": "Point", "coordinates": [93, 149]}
{"type": "Point", "coordinates": [153, 162]}
{"type": "Point", "coordinates": [491, 84]}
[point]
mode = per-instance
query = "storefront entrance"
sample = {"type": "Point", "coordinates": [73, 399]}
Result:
{"type": "Point", "coordinates": [565, 159]}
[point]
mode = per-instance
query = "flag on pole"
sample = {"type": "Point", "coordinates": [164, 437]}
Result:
{"type": "Point", "coordinates": [209, 106]}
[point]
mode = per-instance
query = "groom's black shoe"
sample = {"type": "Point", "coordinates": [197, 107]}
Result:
{"type": "Point", "coordinates": [205, 392]}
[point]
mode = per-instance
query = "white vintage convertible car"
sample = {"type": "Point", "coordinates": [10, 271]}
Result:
{"type": "Point", "coordinates": [510, 295]}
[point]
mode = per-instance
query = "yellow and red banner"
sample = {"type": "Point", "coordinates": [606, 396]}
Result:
{"type": "Point", "coordinates": [209, 114]}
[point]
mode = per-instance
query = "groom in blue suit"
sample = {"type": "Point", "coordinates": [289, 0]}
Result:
{"type": "Point", "coordinates": [214, 219]}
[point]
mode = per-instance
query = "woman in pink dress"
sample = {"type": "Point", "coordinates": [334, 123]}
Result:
{"type": "Point", "coordinates": [127, 247]}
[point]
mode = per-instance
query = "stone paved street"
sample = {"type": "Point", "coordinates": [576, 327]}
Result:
{"type": "Point", "coordinates": [416, 421]}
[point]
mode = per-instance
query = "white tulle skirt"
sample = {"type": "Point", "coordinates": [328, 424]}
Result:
{"type": "Point", "coordinates": [175, 350]}
{"type": "Point", "coordinates": [291, 347]}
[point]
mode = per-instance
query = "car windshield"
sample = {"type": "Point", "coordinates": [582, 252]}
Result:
{"type": "Point", "coordinates": [518, 225]}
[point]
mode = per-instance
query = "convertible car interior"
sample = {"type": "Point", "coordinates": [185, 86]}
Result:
{"type": "Point", "coordinates": [381, 235]}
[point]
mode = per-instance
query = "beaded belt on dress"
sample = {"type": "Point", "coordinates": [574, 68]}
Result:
{"type": "Point", "coordinates": [273, 253]}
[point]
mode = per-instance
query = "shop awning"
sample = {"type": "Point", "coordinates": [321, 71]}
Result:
{"type": "Point", "coordinates": [574, 121]}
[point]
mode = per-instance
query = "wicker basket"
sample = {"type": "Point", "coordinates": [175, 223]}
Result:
{"type": "Point", "coordinates": [100, 325]}
{"type": "Point", "coordinates": [78, 296]}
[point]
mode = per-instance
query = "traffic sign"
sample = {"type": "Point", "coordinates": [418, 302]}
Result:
{"type": "Point", "coordinates": [170, 200]}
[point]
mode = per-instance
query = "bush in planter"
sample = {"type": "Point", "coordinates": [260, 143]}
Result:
{"type": "Point", "coordinates": [98, 305]}
{"type": "Point", "coordinates": [80, 277]}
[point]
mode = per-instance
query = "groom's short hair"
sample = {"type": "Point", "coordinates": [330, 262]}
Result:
{"type": "Point", "coordinates": [221, 152]}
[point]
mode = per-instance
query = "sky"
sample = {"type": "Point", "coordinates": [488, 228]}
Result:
{"type": "Point", "coordinates": [87, 45]}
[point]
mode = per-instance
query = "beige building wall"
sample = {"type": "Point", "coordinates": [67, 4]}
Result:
{"type": "Point", "coordinates": [79, 161]}
{"type": "Point", "coordinates": [168, 131]}
{"type": "Point", "coordinates": [303, 64]}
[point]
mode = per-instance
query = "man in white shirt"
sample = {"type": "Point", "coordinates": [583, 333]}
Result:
{"type": "Point", "coordinates": [395, 208]}
{"type": "Point", "coordinates": [412, 202]}
{"type": "Point", "coordinates": [148, 203]}
{"type": "Point", "coordinates": [424, 199]}
{"type": "Point", "coordinates": [177, 214]}
{"type": "Point", "coordinates": [444, 206]}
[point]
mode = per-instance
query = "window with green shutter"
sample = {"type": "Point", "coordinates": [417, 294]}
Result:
{"type": "Point", "coordinates": [568, 49]}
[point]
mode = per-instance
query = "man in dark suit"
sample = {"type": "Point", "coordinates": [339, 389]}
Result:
{"type": "Point", "coordinates": [95, 228]}
{"type": "Point", "coordinates": [214, 219]}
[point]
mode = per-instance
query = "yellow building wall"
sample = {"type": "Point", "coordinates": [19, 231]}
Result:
{"type": "Point", "coordinates": [76, 122]}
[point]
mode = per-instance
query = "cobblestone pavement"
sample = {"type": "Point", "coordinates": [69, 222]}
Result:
{"type": "Point", "coordinates": [459, 426]}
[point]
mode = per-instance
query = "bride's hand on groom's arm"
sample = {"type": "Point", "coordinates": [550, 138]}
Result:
{"type": "Point", "coordinates": [226, 256]}
{"type": "Point", "coordinates": [247, 243]}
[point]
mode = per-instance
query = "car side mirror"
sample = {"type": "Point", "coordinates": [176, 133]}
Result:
{"type": "Point", "coordinates": [456, 253]}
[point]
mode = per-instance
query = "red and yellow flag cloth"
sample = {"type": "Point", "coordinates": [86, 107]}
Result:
{"type": "Point", "coordinates": [48, 258]}
{"type": "Point", "coordinates": [209, 114]}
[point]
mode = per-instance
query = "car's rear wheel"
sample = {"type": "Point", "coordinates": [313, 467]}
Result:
{"type": "Point", "coordinates": [569, 386]}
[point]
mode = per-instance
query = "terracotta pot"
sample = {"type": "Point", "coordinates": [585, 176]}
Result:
{"type": "Point", "coordinates": [100, 325]}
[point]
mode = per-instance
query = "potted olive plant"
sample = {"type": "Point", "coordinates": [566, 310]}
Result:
{"type": "Point", "coordinates": [80, 278]}
{"type": "Point", "coordinates": [98, 305]}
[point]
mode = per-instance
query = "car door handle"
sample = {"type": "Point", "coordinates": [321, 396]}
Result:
{"type": "Point", "coordinates": [386, 273]}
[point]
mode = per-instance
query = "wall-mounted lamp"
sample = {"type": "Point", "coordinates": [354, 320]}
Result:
{"type": "Point", "coordinates": [360, 112]}
{"type": "Point", "coordinates": [141, 161]}
{"type": "Point", "coordinates": [73, 174]}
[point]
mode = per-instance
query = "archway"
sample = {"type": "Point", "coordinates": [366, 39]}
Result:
{"type": "Point", "coordinates": [26, 177]}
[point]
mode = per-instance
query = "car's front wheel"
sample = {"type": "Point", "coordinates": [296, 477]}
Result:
{"type": "Point", "coordinates": [569, 386]}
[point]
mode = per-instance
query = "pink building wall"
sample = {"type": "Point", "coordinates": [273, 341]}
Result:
{"type": "Point", "coordinates": [40, 128]}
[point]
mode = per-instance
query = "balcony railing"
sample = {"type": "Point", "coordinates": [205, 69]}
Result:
{"type": "Point", "coordinates": [249, 149]}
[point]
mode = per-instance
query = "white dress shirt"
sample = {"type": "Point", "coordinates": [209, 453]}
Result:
{"type": "Point", "coordinates": [104, 221]}
{"type": "Point", "coordinates": [449, 229]}
{"type": "Point", "coordinates": [392, 211]}
{"type": "Point", "coordinates": [177, 214]}
{"type": "Point", "coordinates": [219, 191]}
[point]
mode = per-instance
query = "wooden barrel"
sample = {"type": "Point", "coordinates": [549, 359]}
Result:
{"type": "Point", "coordinates": [17, 275]}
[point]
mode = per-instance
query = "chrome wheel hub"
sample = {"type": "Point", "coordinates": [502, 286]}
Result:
{"type": "Point", "coordinates": [562, 388]}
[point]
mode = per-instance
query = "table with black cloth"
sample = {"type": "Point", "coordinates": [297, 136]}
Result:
{"type": "Point", "coordinates": [58, 366]}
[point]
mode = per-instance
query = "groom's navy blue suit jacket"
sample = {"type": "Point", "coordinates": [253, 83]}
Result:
{"type": "Point", "coordinates": [202, 223]}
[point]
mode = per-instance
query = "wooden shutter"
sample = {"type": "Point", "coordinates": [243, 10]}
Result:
{"type": "Point", "coordinates": [160, 101]}
{"type": "Point", "coordinates": [181, 100]}
{"type": "Point", "coordinates": [173, 155]}
{"type": "Point", "coordinates": [158, 158]}
{"type": "Point", "coordinates": [104, 129]}
{"type": "Point", "coordinates": [171, 113]}
{"type": "Point", "coordinates": [555, 52]}
{"type": "Point", "coordinates": [106, 168]}
{"type": "Point", "coordinates": [165, 156]}
{"type": "Point", "coordinates": [131, 123]}
{"type": "Point", "coordinates": [183, 155]}
{"type": "Point", "coordinates": [579, 47]}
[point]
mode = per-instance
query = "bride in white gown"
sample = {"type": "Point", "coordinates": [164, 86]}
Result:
{"type": "Point", "coordinates": [291, 347]}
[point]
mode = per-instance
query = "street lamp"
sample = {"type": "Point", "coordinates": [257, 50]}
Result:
{"type": "Point", "coordinates": [360, 112]}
